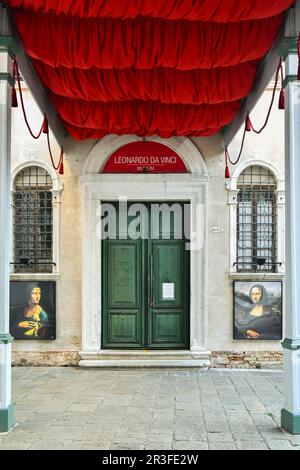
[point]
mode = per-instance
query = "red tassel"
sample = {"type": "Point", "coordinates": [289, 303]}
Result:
{"type": "Point", "coordinates": [61, 168]}
{"type": "Point", "coordinates": [248, 124]}
{"type": "Point", "coordinates": [14, 99]}
{"type": "Point", "coordinates": [227, 172]}
{"type": "Point", "coordinates": [281, 104]}
{"type": "Point", "coordinates": [61, 163]}
{"type": "Point", "coordinates": [45, 126]}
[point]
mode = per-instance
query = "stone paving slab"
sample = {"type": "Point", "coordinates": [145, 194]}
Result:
{"type": "Point", "coordinates": [73, 408]}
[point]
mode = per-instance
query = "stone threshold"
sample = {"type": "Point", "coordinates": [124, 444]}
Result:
{"type": "Point", "coordinates": [146, 359]}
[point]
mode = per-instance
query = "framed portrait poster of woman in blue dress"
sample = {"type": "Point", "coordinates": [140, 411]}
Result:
{"type": "Point", "coordinates": [32, 310]}
{"type": "Point", "coordinates": [258, 310]}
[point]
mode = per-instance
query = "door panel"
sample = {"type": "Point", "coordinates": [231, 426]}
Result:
{"type": "Point", "coordinates": [124, 327]}
{"type": "Point", "coordinates": [168, 317]}
{"type": "Point", "coordinates": [123, 274]}
{"type": "Point", "coordinates": [167, 328]}
{"type": "Point", "coordinates": [122, 294]}
{"type": "Point", "coordinates": [167, 269]}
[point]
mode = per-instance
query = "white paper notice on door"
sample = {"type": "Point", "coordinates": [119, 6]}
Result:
{"type": "Point", "coordinates": [168, 291]}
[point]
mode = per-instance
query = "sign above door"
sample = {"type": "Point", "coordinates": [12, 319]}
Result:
{"type": "Point", "coordinates": [144, 157]}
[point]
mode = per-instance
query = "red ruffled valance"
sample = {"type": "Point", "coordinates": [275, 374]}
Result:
{"type": "Point", "coordinates": [146, 117]}
{"type": "Point", "coordinates": [164, 85]}
{"type": "Point", "coordinates": [147, 66]}
{"type": "Point", "coordinates": [195, 10]}
{"type": "Point", "coordinates": [80, 133]}
{"type": "Point", "coordinates": [143, 43]}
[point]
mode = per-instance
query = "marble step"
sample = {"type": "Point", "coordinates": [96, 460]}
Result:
{"type": "Point", "coordinates": [145, 359]}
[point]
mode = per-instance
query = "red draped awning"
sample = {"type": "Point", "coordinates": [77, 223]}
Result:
{"type": "Point", "coordinates": [147, 66]}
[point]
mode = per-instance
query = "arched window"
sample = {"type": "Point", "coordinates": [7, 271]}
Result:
{"type": "Point", "coordinates": [257, 241]}
{"type": "Point", "coordinates": [33, 221]}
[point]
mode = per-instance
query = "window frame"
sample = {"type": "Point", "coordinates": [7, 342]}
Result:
{"type": "Point", "coordinates": [233, 191]}
{"type": "Point", "coordinates": [56, 190]}
{"type": "Point", "coordinates": [252, 219]}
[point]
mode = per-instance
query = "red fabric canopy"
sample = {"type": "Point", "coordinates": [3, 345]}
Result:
{"type": "Point", "coordinates": [147, 66]}
{"type": "Point", "coordinates": [158, 84]}
{"type": "Point", "coordinates": [197, 10]}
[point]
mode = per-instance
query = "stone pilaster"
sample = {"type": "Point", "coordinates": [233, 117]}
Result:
{"type": "Point", "coordinates": [6, 411]}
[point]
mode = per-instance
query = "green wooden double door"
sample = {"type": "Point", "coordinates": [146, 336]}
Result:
{"type": "Point", "coordinates": [146, 280]}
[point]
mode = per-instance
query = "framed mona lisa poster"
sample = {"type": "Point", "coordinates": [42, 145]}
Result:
{"type": "Point", "coordinates": [257, 310]}
{"type": "Point", "coordinates": [32, 310]}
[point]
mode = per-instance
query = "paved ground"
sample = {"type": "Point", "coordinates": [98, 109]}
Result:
{"type": "Point", "coordinates": [69, 408]}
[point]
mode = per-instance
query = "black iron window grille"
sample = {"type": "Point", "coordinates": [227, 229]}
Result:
{"type": "Point", "coordinates": [33, 222]}
{"type": "Point", "coordinates": [257, 221]}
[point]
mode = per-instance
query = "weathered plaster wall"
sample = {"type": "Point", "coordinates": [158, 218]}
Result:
{"type": "Point", "coordinates": [269, 146]}
{"type": "Point", "coordinates": [68, 295]}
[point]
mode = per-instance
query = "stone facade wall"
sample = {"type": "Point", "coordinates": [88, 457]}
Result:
{"type": "Point", "coordinates": [42, 359]}
{"type": "Point", "coordinates": [247, 360]}
{"type": "Point", "coordinates": [65, 349]}
{"type": "Point", "coordinates": [219, 359]}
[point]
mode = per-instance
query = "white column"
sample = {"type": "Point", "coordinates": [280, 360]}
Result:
{"type": "Point", "coordinates": [291, 345]}
{"type": "Point", "coordinates": [5, 143]}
